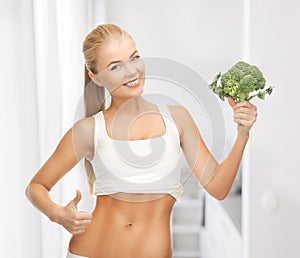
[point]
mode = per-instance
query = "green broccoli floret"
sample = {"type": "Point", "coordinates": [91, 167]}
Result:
{"type": "Point", "coordinates": [239, 82]}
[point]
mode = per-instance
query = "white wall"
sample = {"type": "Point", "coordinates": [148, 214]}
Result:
{"type": "Point", "coordinates": [196, 32]}
{"type": "Point", "coordinates": [274, 150]}
{"type": "Point", "coordinates": [199, 34]}
{"type": "Point", "coordinates": [41, 81]}
{"type": "Point", "coordinates": [19, 147]}
{"type": "Point", "coordinates": [208, 36]}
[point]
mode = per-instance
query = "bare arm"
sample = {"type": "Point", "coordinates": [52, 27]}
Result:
{"type": "Point", "coordinates": [75, 144]}
{"type": "Point", "coordinates": [217, 179]}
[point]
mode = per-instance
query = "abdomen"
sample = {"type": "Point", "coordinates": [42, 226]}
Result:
{"type": "Point", "coordinates": [127, 229]}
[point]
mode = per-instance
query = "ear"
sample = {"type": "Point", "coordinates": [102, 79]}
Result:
{"type": "Point", "coordinates": [94, 78]}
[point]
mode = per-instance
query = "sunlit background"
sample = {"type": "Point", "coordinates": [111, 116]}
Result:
{"type": "Point", "coordinates": [41, 89]}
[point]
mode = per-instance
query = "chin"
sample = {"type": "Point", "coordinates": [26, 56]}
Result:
{"type": "Point", "coordinates": [127, 93]}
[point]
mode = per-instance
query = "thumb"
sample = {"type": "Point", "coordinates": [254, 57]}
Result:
{"type": "Point", "coordinates": [231, 101]}
{"type": "Point", "coordinates": [77, 198]}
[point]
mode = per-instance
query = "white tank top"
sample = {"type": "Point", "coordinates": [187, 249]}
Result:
{"type": "Point", "coordinates": [137, 166]}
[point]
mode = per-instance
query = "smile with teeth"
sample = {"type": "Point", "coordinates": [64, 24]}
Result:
{"type": "Point", "coordinates": [132, 83]}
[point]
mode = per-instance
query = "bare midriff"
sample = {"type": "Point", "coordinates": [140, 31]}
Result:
{"type": "Point", "coordinates": [127, 226]}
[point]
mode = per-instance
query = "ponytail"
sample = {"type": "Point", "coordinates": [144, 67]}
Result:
{"type": "Point", "coordinates": [94, 102]}
{"type": "Point", "coordinates": [94, 95]}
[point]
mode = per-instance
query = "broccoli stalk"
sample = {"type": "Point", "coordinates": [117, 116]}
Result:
{"type": "Point", "coordinates": [242, 82]}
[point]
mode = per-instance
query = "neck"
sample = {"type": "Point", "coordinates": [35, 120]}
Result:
{"type": "Point", "coordinates": [131, 106]}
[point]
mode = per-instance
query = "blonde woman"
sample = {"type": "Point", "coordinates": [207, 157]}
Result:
{"type": "Point", "coordinates": [135, 196]}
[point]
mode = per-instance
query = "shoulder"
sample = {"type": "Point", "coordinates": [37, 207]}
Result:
{"type": "Point", "coordinates": [180, 115]}
{"type": "Point", "coordinates": [83, 130]}
{"type": "Point", "coordinates": [185, 123]}
{"type": "Point", "coordinates": [179, 112]}
{"type": "Point", "coordinates": [85, 125]}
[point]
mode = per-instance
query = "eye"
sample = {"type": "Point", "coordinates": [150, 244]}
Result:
{"type": "Point", "coordinates": [115, 67]}
{"type": "Point", "coordinates": [135, 58]}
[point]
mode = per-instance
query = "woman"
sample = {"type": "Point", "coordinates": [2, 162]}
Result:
{"type": "Point", "coordinates": [134, 197]}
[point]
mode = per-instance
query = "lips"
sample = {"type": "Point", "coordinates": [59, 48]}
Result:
{"type": "Point", "coordinates": [132, 83]}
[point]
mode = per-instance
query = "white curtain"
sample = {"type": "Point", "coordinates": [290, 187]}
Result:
{"type": "Point", "coordinates": [41, 90]}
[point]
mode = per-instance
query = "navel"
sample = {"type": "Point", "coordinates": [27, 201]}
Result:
{"type": "Point", "coordinates": [129, 226]}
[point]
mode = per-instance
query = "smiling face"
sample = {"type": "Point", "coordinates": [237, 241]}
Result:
{"type": "Point", "coordinates": [121, 69]}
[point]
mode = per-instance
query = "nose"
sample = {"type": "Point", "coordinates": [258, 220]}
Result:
{"type": "Point", "coordinates": [129, 68]}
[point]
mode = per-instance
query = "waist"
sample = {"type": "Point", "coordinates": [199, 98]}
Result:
{"type": "Point", "coordinates": [134, 225]}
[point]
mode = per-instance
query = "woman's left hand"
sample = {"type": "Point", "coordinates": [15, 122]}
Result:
{"type": "Point", "coordinates": [245, 115]}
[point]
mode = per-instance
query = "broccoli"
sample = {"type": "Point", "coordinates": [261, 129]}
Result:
{"type": "Point", "coordinates": [239, 82]}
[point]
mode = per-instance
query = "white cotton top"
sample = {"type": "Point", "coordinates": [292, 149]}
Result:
{"type": "Point", "coordinates": [137, 166]}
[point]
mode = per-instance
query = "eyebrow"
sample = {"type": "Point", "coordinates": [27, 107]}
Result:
{"type": "Point", "coordinates": [117, 61]}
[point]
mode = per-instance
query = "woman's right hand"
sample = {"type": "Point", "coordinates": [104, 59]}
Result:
{"type": "Point", "coordinates": [76, 222]}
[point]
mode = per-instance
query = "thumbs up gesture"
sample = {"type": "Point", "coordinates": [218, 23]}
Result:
{"type": "Point", "coordinates": [76, 222]}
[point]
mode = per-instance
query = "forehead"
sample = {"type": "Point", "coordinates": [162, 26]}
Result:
{"type": "Point", "coordinates": [115, 49]}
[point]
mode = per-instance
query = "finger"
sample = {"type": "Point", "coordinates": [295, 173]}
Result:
{"type": "Point", "coordinates": [77, 198]}
{"type": "Point", "coordinates": [246, 116]}
{"type": "Point", "coordinates": [245, 124]}
{"type": "Point", "coordinates": [81, 222]}
{"type": "Point", "coordinates": [244, 121]}
{"type": "Point", "coordinates": [84, 216]}
{"type": "Point", "coordinates": [85, 223]}
{"type": "Point", "coordinates": [79, 225]}
{"type": "Point", "coordinates": [231, 101]}
{"type": "Point", "coordinates": [245, 110]}
{"type": "Point", "coordinates": [245, 113]}
{"type": "Point", "coordinates": [243, 116]}
{"type": "Point", "coordinates": [246, 104]}
{"type": "Point", "coordinates": [77, 232]}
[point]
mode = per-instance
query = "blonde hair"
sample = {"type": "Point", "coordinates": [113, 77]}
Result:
{"type": "Point", "coordinates": [94, 95]}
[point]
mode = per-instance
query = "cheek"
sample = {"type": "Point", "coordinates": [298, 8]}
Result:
{"type": "Point", "coordinates": [112, 82]}
{"type": "Point", "coordinates": [141, 68]}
